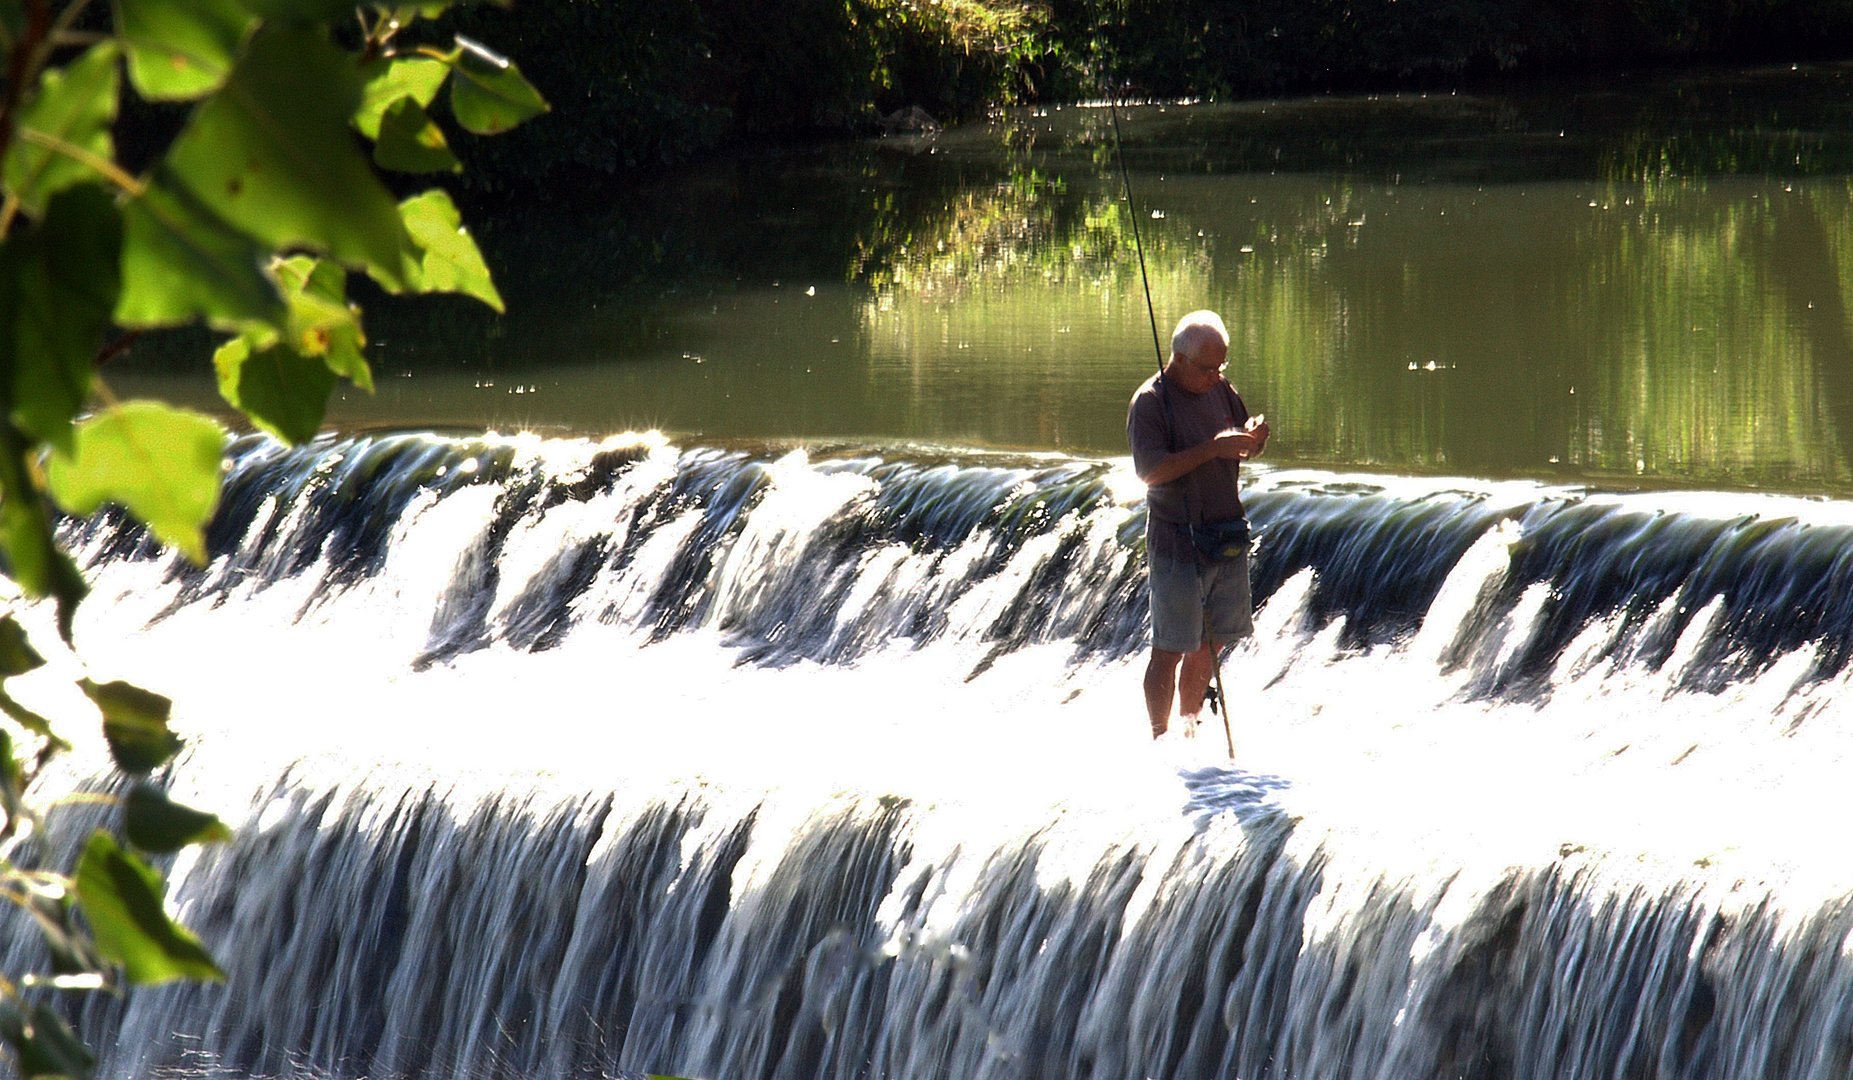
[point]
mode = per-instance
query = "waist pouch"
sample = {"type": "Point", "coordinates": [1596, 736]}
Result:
{"type": "Point", "coordinates": [1221, 541]}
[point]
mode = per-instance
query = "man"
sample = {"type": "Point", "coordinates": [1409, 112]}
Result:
{"type": "Point", "coordinates": [1189, 432]}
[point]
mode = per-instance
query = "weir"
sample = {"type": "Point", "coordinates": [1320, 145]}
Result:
{"type": "Point", "coordinates": [556, 758]}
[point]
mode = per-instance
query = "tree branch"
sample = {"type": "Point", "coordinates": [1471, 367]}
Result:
{"type": "Point", "coordinates": [115, 348]}
{"type": "Point", "coordinates": [19, 67]}
{"type": "Point", "coordinates": [109, 169]}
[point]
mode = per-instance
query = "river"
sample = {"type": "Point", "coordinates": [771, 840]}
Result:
{"type": "Point", "coordinates": [726, 663]}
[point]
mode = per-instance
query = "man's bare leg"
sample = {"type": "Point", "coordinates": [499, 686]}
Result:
{"type": "Point", "coordinates": [1199, 666]}
{"type": "Point", "coordinates": [1161, 688]}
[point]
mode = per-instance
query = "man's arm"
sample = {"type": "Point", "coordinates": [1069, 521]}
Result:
{"type": "Point", "coordinates": [1229, 444]}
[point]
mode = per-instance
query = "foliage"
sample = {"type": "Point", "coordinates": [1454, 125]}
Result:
{"type": "Point", "coordinates": [1212, 48]}
{"type": "Point", "coordinates": [249, 220]}
{"type": "Point", "coordinates": [634, 71]}
{"type": "Point", "coordinates": [1201, 48]}
{"type": "Point", "coordinates": [956, 58]}
{"type": "Point", "coordinates": [658, 81]}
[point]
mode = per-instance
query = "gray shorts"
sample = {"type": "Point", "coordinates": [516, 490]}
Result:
{"type": "Point", "coordinates": [1183, 590]}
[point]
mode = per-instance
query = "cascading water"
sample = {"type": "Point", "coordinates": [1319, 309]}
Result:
{"type": "Point", "coordinates": [559, 759]}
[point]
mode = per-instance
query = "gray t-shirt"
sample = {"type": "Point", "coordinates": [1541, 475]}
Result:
{"type": "Point", "coordinates": [1211, 492]}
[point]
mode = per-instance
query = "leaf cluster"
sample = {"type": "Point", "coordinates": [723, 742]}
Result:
{"type": "Point", "coordinates": [249, 222]}
{"type": "Point", "coordinates": [106, 921]}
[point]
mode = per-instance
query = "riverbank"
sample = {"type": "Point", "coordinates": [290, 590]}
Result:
{"type": "Point", "coordinates": [640, 85]}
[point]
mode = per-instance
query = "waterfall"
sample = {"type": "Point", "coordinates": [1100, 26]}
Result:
{"type": "Point", "coordinates": [559, 758]}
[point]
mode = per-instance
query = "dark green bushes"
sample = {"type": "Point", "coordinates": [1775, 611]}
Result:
{"type": "Point", "coordinates": [956, 58]}
{"type": "Point", "coordinates": [638, 82]}
{"type": "Point", "coordinates": [626, 78]}
{"type": "Point", "coordinates": [1218, 48]}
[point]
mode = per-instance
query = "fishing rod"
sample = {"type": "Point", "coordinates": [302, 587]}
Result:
{"type": "Point", "coordinates": [1138, 244]}
{"type": "Point", "coordinates": [1132, 207]}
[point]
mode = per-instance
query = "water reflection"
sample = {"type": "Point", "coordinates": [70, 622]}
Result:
{"type": "Point", "coordinates": [1637, 281]}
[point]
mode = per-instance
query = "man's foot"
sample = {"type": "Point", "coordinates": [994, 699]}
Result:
{"type": "Point", "coordinates": [1189, 725]}
{"type": "Point", "coordinates": [1175, 747]}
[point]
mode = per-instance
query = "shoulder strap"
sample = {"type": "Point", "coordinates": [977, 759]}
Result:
{"type": "Point", "coordinates": [1183, 482]}
{"type": "Point", "coordinates": [1164, 395]}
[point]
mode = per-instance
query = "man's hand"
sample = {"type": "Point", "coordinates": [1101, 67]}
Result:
{"type": "Point", "coordinates": [1258, 427]}
{"type": "Point", "coordinates": [1242, 442]}
{"type": "Point", "coordinates": [1237, 443]}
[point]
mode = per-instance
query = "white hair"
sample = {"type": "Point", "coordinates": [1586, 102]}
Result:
{"type": "Point", "coordinates": [1196, 330]}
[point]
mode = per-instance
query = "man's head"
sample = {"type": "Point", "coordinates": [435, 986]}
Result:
{"type": "Point", "coordinates": [1199, 349]}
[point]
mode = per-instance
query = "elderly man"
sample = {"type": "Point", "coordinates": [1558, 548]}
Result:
{"type": "Point", "coordinates": [1189, 432]}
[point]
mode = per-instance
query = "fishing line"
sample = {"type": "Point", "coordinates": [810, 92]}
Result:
{"type": "Point", "coordinates": [1221, 696]}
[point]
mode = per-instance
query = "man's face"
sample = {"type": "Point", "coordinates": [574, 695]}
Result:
{"type": "Point", "coordinates": [1199, 374]}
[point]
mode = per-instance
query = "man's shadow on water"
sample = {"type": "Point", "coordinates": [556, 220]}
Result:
{"type": "Point", "coordinates": [1218, 790]}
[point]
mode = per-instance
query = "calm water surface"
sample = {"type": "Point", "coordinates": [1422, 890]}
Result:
{"type": "Point", "coordinates": [1638, 281]}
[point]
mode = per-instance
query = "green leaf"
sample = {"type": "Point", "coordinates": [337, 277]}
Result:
{"type": "Point", "coordinates": [153, 822]}
{"type": "Point", "coordinates": [12, 785]}
{"type": "Point", "coordinates": [31, 721]}
{"type": "Point", "coordinates": [180, 260]}
{"type": "Point", "coordinates": [121, 896]}
{"type": "Point", "coordinates": [282, 391]}
{"type": "Point", "coordinates": [302, 11]}
{"type": "Point", "coordinates": [450, 260]}
{"type": "Point", "coordinates": [17, 656]}
{"type": "Point", "coordinates": [75, 106]}
{"type": "Point", "coordinates": [410, 142]}
{"type": "Point", "coordinates": [43, 1044]}
{"type": "Point", "coordinates": [134, 725]}
{"type": "Point", "coordinates": [180, 49]}
{"type": "Point", "coordinates": [322, 323]}
{"type": "Point", "coordinates": [63, 280]}
{"type": "Point", "coordinates": [391, 79]}
{"type": "Point", "coordinates": [272, 154]}
{"type": "Point", "coordinates": [159, 462]}
{"type": "Point", "coordinates": [69, 945]}
{"type": "Point", "coordinates": [487, 93]}
{"type": "Point", "coordinates": [33, 556]}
